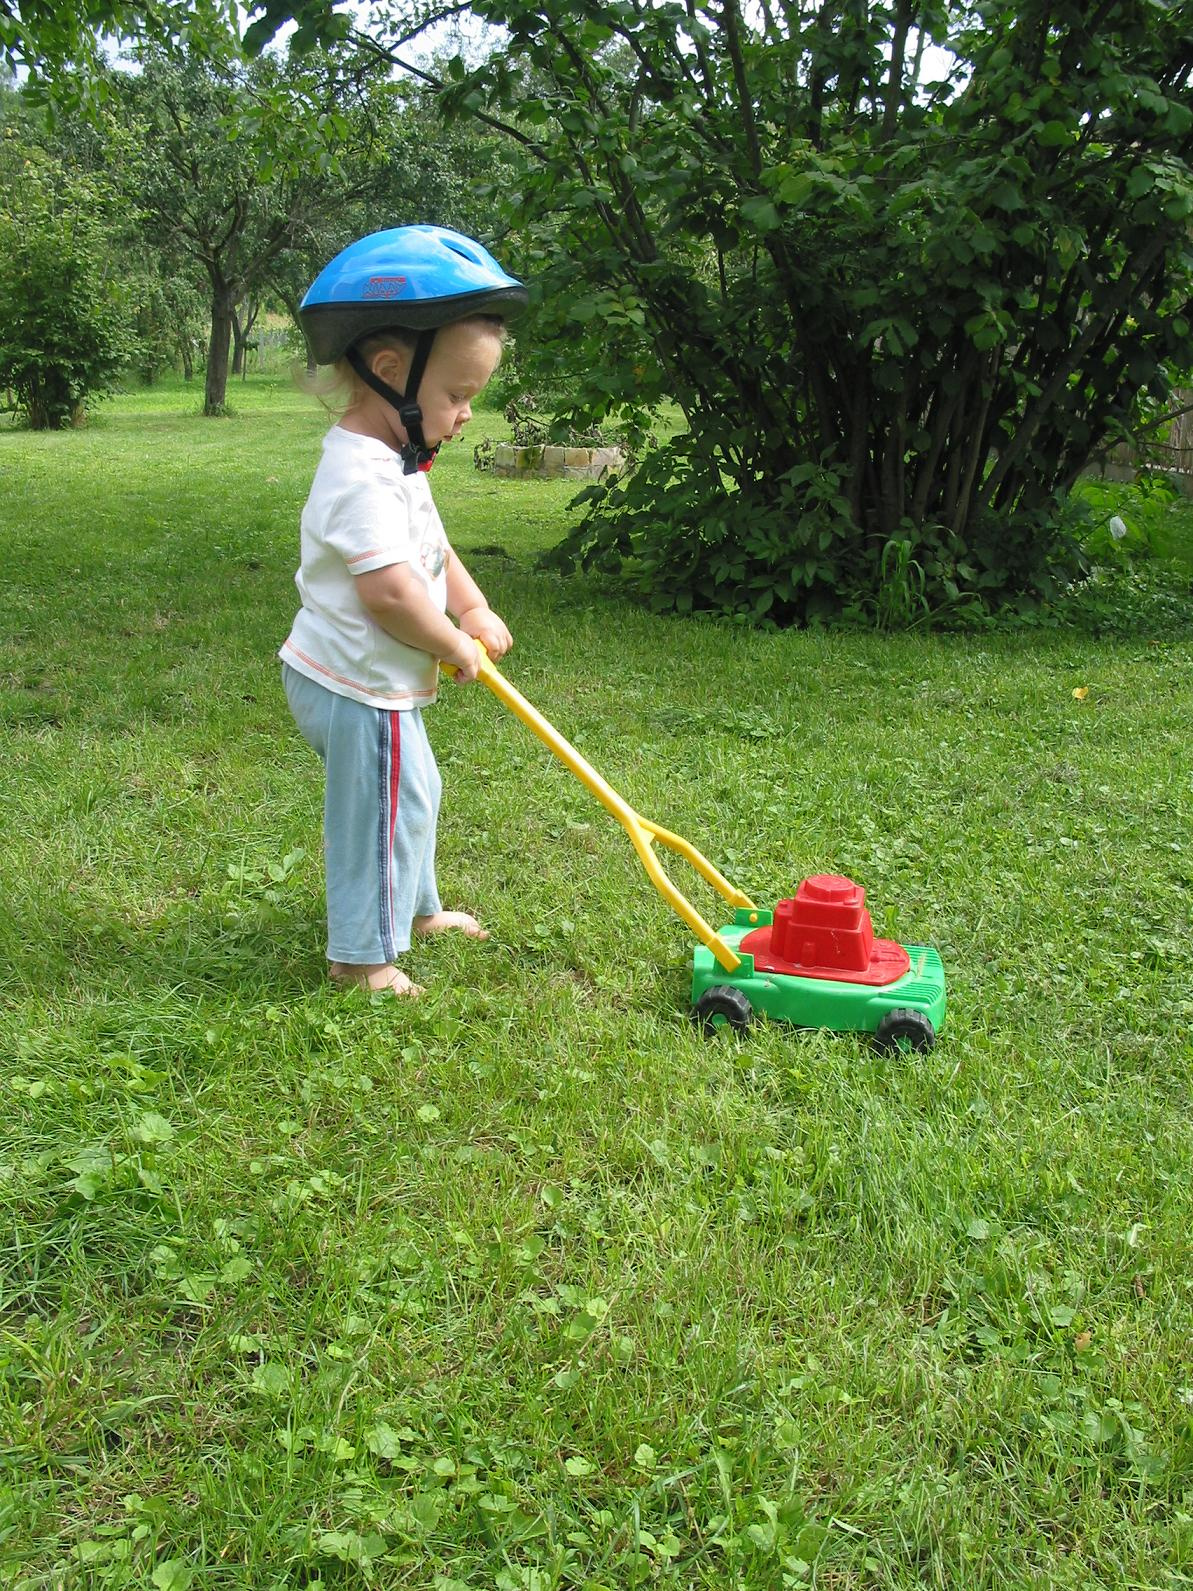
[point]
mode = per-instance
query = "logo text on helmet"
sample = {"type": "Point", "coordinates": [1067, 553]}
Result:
{"type": "Point", "coordinates": [384, 287]}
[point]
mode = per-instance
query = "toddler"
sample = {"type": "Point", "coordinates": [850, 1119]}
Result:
{"type": "Point", "coordinates": [414, 319]}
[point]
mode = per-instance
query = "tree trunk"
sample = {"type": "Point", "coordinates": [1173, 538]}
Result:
{"type": "Point", "coordinates": [239, 339]}
{"type": "Point", "coordinates": [223, 308]}
{"type": "Point", "coordinates": [49, 405]}
{"type": "Point", "coordinates": [292, 305]}
{"type": "Point", "coordinates": [242, 336]}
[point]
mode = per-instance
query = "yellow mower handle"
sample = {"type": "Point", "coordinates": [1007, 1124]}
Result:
{"type": "Point", "coordinates": [642, 832]}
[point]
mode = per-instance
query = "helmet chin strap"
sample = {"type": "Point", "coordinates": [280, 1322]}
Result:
{"type": "Point", "coordinates": [416, 455]}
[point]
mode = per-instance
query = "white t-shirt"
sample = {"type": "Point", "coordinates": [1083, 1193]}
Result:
{"type": "Point", "coordinates": [362, 514]}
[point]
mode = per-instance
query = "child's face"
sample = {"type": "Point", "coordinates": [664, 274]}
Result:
{"type": "Point", "coordinates": [463, 359]}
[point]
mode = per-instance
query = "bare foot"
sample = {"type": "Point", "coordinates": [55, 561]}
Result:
{"type": "Point", "coordinates": [450, 922]}
{"type": "Point", "coordinates": [377, 976]}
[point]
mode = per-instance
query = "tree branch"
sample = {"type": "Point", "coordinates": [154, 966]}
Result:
{"type": "Point", "coordinates": [894, 91]}
{"type": "Point", "coordinates": [441, 87]}
{"type": "Point", "coordinates": [1034, 417]}
{"type": "Point", "coordinates": [732, 20]}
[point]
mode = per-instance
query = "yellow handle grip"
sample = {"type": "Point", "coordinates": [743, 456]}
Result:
{"type": "Point", "coordinates": [452, 670]}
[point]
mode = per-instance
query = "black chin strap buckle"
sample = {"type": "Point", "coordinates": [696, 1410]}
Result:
{"type": "Point", "coordinates": [417, 459]}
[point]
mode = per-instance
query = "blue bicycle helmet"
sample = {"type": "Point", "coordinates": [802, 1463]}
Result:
{"type": "Point", "coordinates": [416, 277]}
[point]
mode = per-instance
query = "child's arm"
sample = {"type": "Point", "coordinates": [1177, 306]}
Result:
{"type": "Point", "coordinates": [466, 603]}
{"type": "Point", "coordinates": [396, 598]}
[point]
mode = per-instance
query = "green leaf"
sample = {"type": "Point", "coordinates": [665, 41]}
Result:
{"type": "Point", "coordinates": [1099, 1428]}
{"type": "Point", "coordinates": [795, 188]}
{"type": "Point", "coordinates": [172, 1574]}
{"type": "Point", "coordinates": [153, 1129]}
{"type": "Point", "coordinates": [1006, 196]}
{"type": "Point", "coordinates": [384, 1441]}
{"type": "Point", "coordinates": [349, 1546]}
{"type": "Point", "coordinates": [272, 1379]}
{"type": "Point", "coordinates": [197, 1287]}
{"type": "Point", "coordinates": [1053, 134]}
{"type": "Point", "coordinates": [259, 33]}
{"type": "Point", "coordinates": [760, 214]}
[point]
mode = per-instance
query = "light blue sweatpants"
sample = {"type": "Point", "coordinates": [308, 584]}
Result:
{"type": "Point", "coordinates": [380, 811]}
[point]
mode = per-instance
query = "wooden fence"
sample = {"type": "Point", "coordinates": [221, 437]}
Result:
{"type": "Point", "coordinates": [1170, 450]}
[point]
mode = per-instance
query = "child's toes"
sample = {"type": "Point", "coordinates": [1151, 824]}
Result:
{"type": "Point", "coordinates": [385, 979]}
{"type": "Point", "coordinates": [402, 986]}
{"type": "Point", "coordinates": [450, 922]}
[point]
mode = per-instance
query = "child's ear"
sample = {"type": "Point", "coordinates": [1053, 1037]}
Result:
{"type": "Point", "coordinates": [391, 366]}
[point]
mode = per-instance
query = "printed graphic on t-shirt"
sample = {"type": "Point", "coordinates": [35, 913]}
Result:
{"type": "Point", "coordinates": [432, 557]}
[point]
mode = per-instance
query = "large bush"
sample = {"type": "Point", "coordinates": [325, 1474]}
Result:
{"type": "Point", "coordinates": [899, 314]}
{"type": "Point", "coordinates": [65, 324]}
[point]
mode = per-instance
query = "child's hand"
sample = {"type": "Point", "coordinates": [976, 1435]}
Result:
{"type": "Point", "coordinates": [465, 658]}
{"type": "Point", "coordinates": [484, 625]}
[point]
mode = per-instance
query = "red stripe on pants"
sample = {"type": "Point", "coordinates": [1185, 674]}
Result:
{"type": "Point", "coordinates": [395, 774]}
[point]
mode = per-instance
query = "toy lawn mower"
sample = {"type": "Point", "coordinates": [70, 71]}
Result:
{"type": "Point", "coordinates": [812, 961]}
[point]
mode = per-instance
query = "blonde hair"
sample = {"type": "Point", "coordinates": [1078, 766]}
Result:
{"type": "Point", "coordinates": [337, 386]}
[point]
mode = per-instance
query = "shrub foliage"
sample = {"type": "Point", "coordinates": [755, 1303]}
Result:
{"type": "Point", "coordinates": [65, 324]}
{"type": "Point", "coordinates": [900, 312]}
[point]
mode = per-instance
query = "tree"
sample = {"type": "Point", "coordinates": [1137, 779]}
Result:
{"type": "Point", "coordinates": [65, 320]}
{"type": "Point", "coordinates": [231, 165]}
{"type": "Point", "coordinates": [171, 314]}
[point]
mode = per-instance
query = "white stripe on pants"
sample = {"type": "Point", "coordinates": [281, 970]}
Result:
{"type": "Point", "coordinates": [380, 811]}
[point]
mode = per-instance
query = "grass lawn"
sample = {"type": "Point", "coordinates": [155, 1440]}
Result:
{"type": "Point", "coordinates": [526, 1285]}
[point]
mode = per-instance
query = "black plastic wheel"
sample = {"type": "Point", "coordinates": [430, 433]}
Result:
{"type": "Point", "coordinates": [723, 1006]}
{"type": "Point", "coordinates": [904, 1030]}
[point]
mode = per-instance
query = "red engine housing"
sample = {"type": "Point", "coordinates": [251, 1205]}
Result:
{"type": "Point", "coordinates": [824, 931]}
